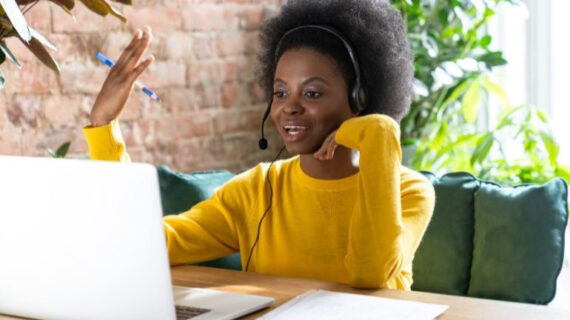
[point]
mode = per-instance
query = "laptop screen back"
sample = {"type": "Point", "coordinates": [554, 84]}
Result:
{"type": "Point", "coordinates": [82, 240]}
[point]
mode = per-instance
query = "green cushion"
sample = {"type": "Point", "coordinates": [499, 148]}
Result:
{"type": "Point", "coordinates": [443, 259]}
{"type": "Point", "coordinates": [519, 241]}
{"type": "Point", "coordinates": [180, 191]}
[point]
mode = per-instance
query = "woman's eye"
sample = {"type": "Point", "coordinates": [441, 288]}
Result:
{"type": "Point", "coordinates": [313, 94]}
{"type": "Point", "coordinates": [279, 93]}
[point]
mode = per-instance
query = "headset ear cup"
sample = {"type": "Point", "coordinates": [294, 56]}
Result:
{"type": "Point", "coordinates": [354, 103]}
{"type": "Point", "coordinates": [361, 100]}
{"type": "Point", "coordinates": [357, 99]}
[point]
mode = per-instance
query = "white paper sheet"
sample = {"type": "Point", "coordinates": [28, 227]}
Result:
{"type": "Point", "coordinates": [322, 304]}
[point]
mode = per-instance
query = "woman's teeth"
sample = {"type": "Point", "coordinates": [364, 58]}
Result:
{"type": "Point", "coordinates": [294, 130]}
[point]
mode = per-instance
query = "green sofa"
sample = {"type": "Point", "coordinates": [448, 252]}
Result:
{"type": "Point", "coordinates": [484, 240]}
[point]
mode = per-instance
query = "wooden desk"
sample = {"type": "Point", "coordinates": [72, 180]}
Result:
{"type": "Point", "coordinates": [284, 288]}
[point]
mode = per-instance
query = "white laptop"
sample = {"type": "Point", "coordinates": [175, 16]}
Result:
{"type": "Point", "coordinates": [84, 239]}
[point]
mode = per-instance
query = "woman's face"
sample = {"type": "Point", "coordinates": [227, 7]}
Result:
{"type": "Point", "coordinates": [310, 99]}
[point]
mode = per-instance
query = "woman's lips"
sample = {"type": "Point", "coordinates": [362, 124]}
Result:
{"type": "Point", "coordinates": [295, 133]}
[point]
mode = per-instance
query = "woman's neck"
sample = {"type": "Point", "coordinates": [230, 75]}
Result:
{"type": "Point", "coordinates": [342, 165]}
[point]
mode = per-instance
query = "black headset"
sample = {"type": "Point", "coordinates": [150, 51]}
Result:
{"type": "Point", "coordinates": [356, 96]}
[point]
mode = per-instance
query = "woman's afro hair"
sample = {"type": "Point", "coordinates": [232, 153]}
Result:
{"type": "Point", "coordinates": [376, 33]}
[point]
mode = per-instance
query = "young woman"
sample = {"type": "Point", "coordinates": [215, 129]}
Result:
{"type": "Point", "coordinates": [343, 208]}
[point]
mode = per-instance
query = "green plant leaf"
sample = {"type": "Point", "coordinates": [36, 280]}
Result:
{"type": "Point", "coordinates": [492, 59]}
{"type": "Point", "coordinates": [65, 5]}
{"type": "Point", "coordinates": [455, 93]}
{"type": "Point", "coordinates": [97, 6]}
{"type": "Point", "coordinates": [68, 4]}
{"type": "Point", "coordinates": [497, 90]}
{"type": "Point", "coordinates": [563, 171]}
{"type": "Point", "coordinates": [485, 41]}
{"type": "Point", "coordinates": [1, 80]}
{"type": "Point", "coordinates": [482, 149]}
{"type": "Point", "coordinates": [102, 8]}
{"type": "Point", "coordinates": [471, 101]}
{"type": "Point", "coordinates": [505, 117]}
{"type": "Point", "coordinates": [542, 116]}
{"type": "Point", "coordinates": [36, 46]}
{"type": "Point", "coordinates": [61, 152]}
{"type": "Point", "coordinates": [552, 148]}
{"type": "Point", "coordinates": [439, 137]}
{"type": "Point", "coordinates": [17, 18]}
{"type": "Point", "coordinates": [9, 54]}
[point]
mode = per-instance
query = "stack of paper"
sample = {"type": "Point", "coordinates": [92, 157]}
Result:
{"type": "Point", "coordinates": [322, 304]}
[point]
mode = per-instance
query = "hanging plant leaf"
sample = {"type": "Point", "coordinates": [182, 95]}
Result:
{"type": "Point", "coordinates": [9, 54]}
{"type": "Point", "coordinates": [36, 46]}
{"type": "Point", "coordinates": [117, 13]}
{"type": "Point", "coordinates": [97, 6]}
{"type": "Point", "coordinates": [103, 8]}
{"type": "Point", "coordinates": [43, 40]}
{"type": "Point", "coordinates": [4, 22]}
{"type": "Point", "coordinates": [17, 18]}
{"type": "Point", "coordinates": [65, 5]}
{"type": "Point", "coordinates": [129, 2]}
{"type": "Point", "coordinates": [68, 4]}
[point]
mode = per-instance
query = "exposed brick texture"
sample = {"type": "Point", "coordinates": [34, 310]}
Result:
{"type": "Point", "coordinates": [204, 71]}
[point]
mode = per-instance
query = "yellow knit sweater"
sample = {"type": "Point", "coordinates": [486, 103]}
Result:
{"type": "Point", "coordinates": [362, 230]}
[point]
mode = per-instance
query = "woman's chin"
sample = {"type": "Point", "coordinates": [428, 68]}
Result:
{"type": "Point", "coordinates": [300, 150]}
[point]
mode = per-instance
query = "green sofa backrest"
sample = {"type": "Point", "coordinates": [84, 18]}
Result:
{"type": "Point", "coordinates": [483, 240]}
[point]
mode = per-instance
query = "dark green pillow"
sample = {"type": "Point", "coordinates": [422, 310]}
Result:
{"type": "Point", "coordinates": [443, 259]}
{"type": "Point", "coordinates": [519, 241]}
{"type": "Point", "coordinates": [180, 191]}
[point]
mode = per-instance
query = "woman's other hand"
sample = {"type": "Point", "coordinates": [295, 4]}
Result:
{"type": "Point", "coordinates": [326, 152]}
{"type": "Point", "coordinates": [119, 83]}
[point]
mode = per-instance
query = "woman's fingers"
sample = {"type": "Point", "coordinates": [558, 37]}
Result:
{"type": "Point", "coordinates": [326, 151]}
{"type": "Point", "coordinates": [132, 54]}
{"type": "Point", "coordinates": [142, 67]}
{"type": "Point", "coordinates": [127, 51]}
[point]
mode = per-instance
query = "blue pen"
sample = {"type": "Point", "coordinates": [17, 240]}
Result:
{"type": "Point", "coordinates": [139, 85]}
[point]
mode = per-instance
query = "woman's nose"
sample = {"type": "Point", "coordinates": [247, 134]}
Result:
{"type": "Point", "coordinates": [292, 107]}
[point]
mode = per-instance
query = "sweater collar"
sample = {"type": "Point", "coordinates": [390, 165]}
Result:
{"type": "Point", "coordinates": [322, 184]}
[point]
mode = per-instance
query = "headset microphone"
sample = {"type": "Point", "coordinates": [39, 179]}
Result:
{"type": "Point", "coordinates": [263, 142]}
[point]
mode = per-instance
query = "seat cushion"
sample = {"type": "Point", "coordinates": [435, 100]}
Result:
{"type": "Point", "coordinates": [519, 241]}
{"type": "Point", "coordinates": [443, 259]}
{"type": "Point", "coordinates": [181, 191]}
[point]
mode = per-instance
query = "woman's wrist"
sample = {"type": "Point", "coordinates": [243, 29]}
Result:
{"type": "Point", "coordinates": [98, 121]}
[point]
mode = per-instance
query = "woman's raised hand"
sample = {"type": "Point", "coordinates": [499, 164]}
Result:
{"type": "Point", "coordinates": [327, 149]}
{"type": "Point", "coordinates": [119, 83]}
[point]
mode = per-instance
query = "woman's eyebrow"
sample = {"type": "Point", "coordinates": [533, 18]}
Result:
{"type": "Point", "coordinates": [279, 80]}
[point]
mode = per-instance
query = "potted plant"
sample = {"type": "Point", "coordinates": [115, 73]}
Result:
{"type": "Point", "coordinates": [451, 49]}
{"type": "Point", "coordinates": [13, 24]}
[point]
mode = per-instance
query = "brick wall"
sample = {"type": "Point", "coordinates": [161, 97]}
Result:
{"type": "Point", "coordinates": [204, 72]}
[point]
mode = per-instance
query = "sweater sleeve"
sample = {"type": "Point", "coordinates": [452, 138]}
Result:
{"type": "Point", "coordinates": [381, 241]}
{"type": "Point", "coordinates": [106, 142]}
{"type": "Point", "coordinates": [205, 232]}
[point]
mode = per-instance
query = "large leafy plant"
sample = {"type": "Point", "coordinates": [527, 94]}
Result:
{"type": "Point", "coordinates": [453, 63]}
{"type": "Point", "coordinates": [13, 24]}
{"type": "Point", "coordinates": [451, 48]}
